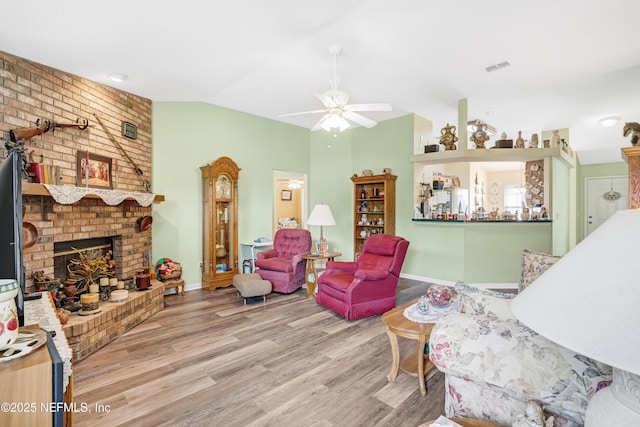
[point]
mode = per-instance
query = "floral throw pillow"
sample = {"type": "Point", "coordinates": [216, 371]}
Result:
{"type": "Point", "coordinates": [485, 302]}
{"type": "Point", "coordinates": [533, 265]}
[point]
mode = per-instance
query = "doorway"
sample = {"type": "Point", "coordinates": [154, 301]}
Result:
{"type": "Point", "coordinates": [290, 200]}
{"type": "Point", "coordinates": [603, 197]}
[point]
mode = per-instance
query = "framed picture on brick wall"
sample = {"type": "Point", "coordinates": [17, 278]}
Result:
{"type": "Point", "coordinates": [93, 170]}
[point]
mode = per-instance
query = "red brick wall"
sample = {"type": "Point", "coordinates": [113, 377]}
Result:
{"type": "Point", "coordinates": [31, 91]}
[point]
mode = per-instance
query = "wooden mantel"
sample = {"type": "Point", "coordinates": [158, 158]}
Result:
{"type": "Point", "coordinates": [33, 189]}
{"type": "Point", "coordinates": [632, 156]}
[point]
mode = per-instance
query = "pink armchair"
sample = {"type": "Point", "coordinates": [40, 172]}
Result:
{"type": "Point", "coordinates": [368, 286]}
{"type": "Point", "coordinates": [283, 265]}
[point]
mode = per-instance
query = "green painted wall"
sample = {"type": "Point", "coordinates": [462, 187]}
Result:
{"type": "Point", "coordinates": [329, 183]}
{"type": "Point", "coordinates": [187, 136]}
{"type": "Point", "coordinates": [388, 145]}
{"type": "Point", "coordinates": [562, 211]}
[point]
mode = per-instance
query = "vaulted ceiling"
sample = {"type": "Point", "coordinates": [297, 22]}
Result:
{"type": "Point", "coordinates": [572, 62]}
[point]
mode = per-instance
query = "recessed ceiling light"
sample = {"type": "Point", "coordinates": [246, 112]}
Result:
{"type": "Point", "coordinates": [117, 77]}
{"type": "Point", "coordinates": [609, 121]}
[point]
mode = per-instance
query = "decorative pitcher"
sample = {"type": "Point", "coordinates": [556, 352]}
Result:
{"type": "Point", "coordinates": [8, 313]}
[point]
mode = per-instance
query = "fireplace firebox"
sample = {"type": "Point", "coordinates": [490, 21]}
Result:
{"type": "Point", "coordinates": [64, 252]}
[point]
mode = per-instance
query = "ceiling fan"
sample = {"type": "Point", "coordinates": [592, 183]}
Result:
{"type": "Point", "coordinates": [337, 112]}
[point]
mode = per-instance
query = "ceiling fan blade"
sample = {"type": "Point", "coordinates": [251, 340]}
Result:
{"type": "Point", "coordinates": [359, 119]}
{"type": "Point", "coordinates": [318, 125]}
{"type": "Point", "coordinates": [380, 106]}
{"type": "Point", "coordinates": [302, 112]}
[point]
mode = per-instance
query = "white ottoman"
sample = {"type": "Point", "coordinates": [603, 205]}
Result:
{"type": "Point", "coordinates": [251, 285]}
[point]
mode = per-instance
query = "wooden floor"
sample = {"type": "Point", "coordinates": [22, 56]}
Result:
{"type": "Point", "coordinates": [207, 359]}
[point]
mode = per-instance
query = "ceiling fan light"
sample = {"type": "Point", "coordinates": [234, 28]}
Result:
{"type": "Point", "coordinates": [326, 124]}
{"type": "Point", "coordinates": [334, 121]}
{"type": "Point", "coordinates": [344, 124]}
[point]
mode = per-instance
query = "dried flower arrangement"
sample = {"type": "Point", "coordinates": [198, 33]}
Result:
{"type": "Point", "coordinates": [89, 267]}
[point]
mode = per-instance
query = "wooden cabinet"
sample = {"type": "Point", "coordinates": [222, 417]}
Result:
{"type": "Point", "coordinates": [375, 207]}
{"type": "Point", "coordinates": [219, 223]}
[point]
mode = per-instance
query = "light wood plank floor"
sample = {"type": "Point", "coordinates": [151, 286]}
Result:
{"type": "Point", "coordinates": [207, 359]}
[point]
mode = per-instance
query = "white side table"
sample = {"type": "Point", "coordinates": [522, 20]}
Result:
{"type": "Point", "coordinates": [253, 246]}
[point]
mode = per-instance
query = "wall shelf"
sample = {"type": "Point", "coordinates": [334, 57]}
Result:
{"type": "Point", "coordinates": [494, 155]}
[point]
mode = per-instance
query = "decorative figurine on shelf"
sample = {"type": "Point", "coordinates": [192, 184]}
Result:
{"type": "Point", "coordinates": [544, 214]}
{"type": "Point", "coordinates": [364, 206]}
{"type": "Point", "coordinates": [633, 129]}
{"type": "Point", "coordinates": [480, 135]}
{"type": "Point", "coordinates": [534, 141]}
{"type": "Point", "coordinates": [519, 140]}
{"type": "Point", "coordinates": [525, 215]}
{"type": "Point", "coordinates": [425, 190]}
{"type": "Point", "coordinates": [555, 139]}
{"type": "Point", "coordinates": [448, 137]}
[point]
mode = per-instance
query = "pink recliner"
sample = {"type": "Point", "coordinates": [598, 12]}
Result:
{"type": "Point", "coordinates": [368, 286]}
{"type": "Point", "coordinates": [283, 265]}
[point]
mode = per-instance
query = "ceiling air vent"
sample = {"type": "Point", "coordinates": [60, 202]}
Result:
{"type": "Point", "coordinates": [498, 66]}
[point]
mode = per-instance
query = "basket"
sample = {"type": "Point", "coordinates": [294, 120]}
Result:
{"type": "Point", "coordinates": [173, 272]}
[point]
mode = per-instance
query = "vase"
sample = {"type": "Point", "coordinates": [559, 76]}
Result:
{"type": "Point", "coordinates": [480, 135]}
{"type": "Point", "coordinates": [70, 290]}
{"type": "Point", "coordinates": [519, 140]}
{"type": "Point", "coordinates": [8, 313]}
{"type": "Point", "coordinates": [448, 137]}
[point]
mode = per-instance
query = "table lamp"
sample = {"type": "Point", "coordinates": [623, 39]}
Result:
{"type": "Point", "coordinates": [589, 302]}
{"type": "Point", "coordinates": [321, 215]}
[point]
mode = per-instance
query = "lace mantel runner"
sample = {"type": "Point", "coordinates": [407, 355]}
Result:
{"type": "Point", "coordinates": [40, 312]}
{"type": "Point", "coordinates": [68, 194]}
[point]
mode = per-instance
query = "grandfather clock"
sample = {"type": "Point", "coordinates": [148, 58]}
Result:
{"type": "Point", "coordinates": [219, 223]}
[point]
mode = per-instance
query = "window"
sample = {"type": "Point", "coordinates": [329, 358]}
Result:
{"type": "Point", "coordinates": [514, 197]}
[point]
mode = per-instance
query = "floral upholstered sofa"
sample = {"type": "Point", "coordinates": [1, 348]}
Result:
{"type": "Point", "coordinates": [494, 364]}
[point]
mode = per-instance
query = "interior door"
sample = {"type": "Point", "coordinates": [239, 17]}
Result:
{"type": "Point", "coordinates": [604, 196]}
{"type": "Point", "coordinates": [290, 199]}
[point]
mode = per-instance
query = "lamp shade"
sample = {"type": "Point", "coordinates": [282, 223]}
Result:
{"type": "Point", "coordinates": [321, 215]}
{"type": "Point", "coordinates": [589, 301]}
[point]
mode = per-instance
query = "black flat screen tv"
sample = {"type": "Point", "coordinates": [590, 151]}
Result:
{"type": "Point", "coordinates": [11, 261]}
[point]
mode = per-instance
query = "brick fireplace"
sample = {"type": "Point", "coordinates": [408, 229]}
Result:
{"type": "Point", "coordinates": [88, 218]}
{"type": "Point", "coordinates": [31, 93]}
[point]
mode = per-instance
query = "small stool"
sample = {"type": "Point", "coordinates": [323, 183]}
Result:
{"type": "Point", "coordinates": [251, 285]}
{"type": "Point", "coordinates": [175, 283]}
